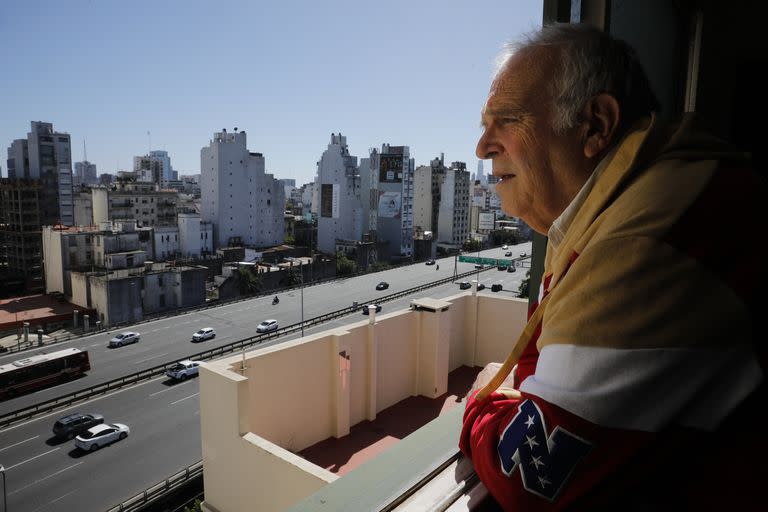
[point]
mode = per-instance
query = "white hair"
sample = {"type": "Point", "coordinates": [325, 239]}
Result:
{"type": "Point", "coordinates": [590, 62]}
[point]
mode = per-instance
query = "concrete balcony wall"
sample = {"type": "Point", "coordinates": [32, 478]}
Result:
{"type": "Point", "coordinates": [500, 320]}
{"type": "Point", "coordinates": [300, 392]}
{"type": "Point", "coordinates": [291, 398]}
{"type": "Point", "coordinates": [241, 467]}
{"type": "Point", "coordinates": [396, 358]}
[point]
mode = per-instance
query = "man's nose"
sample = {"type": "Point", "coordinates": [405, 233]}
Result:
{"type": "Point", "coordinates": [485, 148]}
{"type": "Point", "coordinates": [481, 149]}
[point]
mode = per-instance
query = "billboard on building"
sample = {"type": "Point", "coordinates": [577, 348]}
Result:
{"type": "Point", "coordinates": [486, 221]}
{"type": "Point", "coordinates": [329, 200]}
{"type": "Point", "coordinates": [391, 169]}
{"type": "Point", "coordinates": [389, 204]}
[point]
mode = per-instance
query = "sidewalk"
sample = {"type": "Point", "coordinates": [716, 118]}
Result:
{"type": "Point", "coordinates": [12, 340]}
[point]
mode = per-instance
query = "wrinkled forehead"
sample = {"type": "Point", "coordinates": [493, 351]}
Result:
{"type": "Point", "coordinates": [522, 82]}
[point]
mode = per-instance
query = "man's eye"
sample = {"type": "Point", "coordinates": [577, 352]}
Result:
{"type": "Point", "coordinates": [508, 120]}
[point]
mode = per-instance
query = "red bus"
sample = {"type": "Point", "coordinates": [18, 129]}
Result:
{"type": "Point", "coordinates": [42, 370]}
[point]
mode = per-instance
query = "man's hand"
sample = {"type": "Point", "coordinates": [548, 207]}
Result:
{"type": "Point", "coordinates": [487, 373]}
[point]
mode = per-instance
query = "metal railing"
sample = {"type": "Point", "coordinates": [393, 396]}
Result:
{"type": "Point", "coordinates": [33, 343]}
{"type": "Point", "coordinates": [160, 489]}
{"type": "Point", "coordinates": [66, 400]}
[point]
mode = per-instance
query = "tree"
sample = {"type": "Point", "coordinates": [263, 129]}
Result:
{"type": "Point", "coordinates": [292, 277]}
{"type": "Point", "coordinates": [289, 239]}
{"type": "Point", "coordinates": [505, 236]}
{"type": "Point", "coordinates": [471, 245]}
{"type": "Point", "coordinates": [344, 266]}
{"type": "Point", "coordinates": [250, 283]}
{"type": "Point", "coordinates": [197, 506]}
{"type": "Point", "coordinates": [525, 285]}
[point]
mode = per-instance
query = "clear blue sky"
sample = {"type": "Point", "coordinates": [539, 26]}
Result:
{"type": "Point", "coordinates": [289, 73]}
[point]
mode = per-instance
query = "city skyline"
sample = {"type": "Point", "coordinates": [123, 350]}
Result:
{"type": "Point", "coordinates": [109, 73]}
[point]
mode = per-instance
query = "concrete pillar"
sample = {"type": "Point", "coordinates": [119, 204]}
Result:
{"type": "Point", "coordinates": [433, 339]}
{"type": "Point", "coordinates": [39, 337]}
{"type": "Point", "coordinates": [371, 315]}
{"type": "Point", "coordinates": [434, 349]}
{"type": "Point", "coordinates": [26, 332]}
{"type": "Point", "coordinates": [86, 322]}
{"type": "Point", "coordinates": [75, 318]}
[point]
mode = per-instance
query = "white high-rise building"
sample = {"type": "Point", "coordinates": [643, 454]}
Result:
{"type": "Point", "coordinates": [244, 203]}
{"type": "Point", "coordinates": [340, 203]}
{"type": "Point", "coordinates": [453, 219]}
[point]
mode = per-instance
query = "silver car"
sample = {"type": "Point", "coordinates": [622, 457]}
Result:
{"type": "Point", "coordinates": [124, 338]}
{"type": "Point", "coordinates": [101, 435]}
{"type": "Point", "coordinates": [204, 334]}
{"type": "Point", "coordinates": [267, 326]}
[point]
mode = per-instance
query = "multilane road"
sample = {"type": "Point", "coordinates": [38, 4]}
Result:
{"type": "Point", "coordinates": [47, 475]}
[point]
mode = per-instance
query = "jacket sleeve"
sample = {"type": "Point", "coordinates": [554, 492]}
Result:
{"type": "Point", "coordinates": [632, 349]}
{"type": "Point", "coordinates": [532, 455]}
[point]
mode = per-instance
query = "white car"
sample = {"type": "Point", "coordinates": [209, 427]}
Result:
{"type": "Point", "coordinates": [183, 370]}
{"type": "Point", "coordinates": [203, 334]}
{"type": "Point", "coordinates": [505, 247]}
{"type": "Point", "coordinates": [101, 435]}
{"type": "Point", "coordinates": [267, 326]}
{"type": "Point", "coordinates": [124, 338]}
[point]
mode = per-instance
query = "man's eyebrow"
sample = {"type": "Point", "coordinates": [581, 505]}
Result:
{"type": "Point", "coordinates": [506, 111]}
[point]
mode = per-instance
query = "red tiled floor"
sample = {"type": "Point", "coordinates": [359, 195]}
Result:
{"type": "Point", "coordinates": [368, 439]}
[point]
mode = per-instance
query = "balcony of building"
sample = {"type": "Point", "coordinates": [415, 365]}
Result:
{"type": "Point", "coordinates": [356, 416]}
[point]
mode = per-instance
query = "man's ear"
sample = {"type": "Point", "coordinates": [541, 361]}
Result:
{"type": "Point", "coordinates": [600, 118]}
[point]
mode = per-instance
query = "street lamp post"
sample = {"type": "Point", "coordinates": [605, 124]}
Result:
{"type": "Point", "coordinates": [301, 271]}
{"type": "Point", "coordinates": [5, 494]}
{"type": "Point", "coordinates": [16, 319]}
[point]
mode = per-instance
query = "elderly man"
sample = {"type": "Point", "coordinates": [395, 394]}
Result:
{"type": "Point", "coordinates": [637, 378]}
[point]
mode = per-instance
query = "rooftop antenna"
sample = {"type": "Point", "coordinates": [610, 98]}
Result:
{"type": "Point", "coordinates": [85, 152]}
{"type": "Point", "coordinates": [149, 135]}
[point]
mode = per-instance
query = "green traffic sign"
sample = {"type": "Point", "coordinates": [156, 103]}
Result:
{"type": "Point", "coordinates": [486, 261]}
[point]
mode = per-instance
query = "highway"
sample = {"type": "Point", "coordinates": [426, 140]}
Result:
{"type": "Point", "coordinates": [46, 475]}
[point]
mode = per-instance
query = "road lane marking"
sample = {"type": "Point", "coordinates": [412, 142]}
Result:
{"type": "Point", "coordinates": [79, 405]}
{"type": "Point", "coordinates": [54, 501]}
{"type": "Point", "coordinates": [46, 478]}
{"type": "Point", "coordinates": [161, 391]}
{"type": "Point", "coordinates": [150, 358]}
{"type": "Point", "coordinates": [31, 459]}
{"type": "Point", "coordinates": [185, 398]}
{"type": "Point", "coordinates": [16, 444]}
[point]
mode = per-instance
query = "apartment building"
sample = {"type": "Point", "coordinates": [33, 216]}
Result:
{"type": "Point", "coordinates": [341, 210]}
{"type": "Point", "coordinates": [109, 268]}
{"type": "Point", "coordinates": [142, 202]}
{"type": "Point", "coordinates": [243, 202]}
{"type": "Point", "coordinates": [21, 255]}
{"type": "Point", "coordinates": [453, 217]}
{"type": "Point", "coordinates": [394, 187]}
